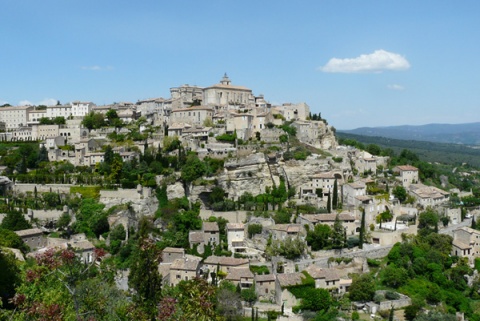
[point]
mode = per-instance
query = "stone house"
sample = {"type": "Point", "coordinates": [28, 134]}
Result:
{"type": "Point", "coordinates": [170, 254]}
{"type": "Point", "coordinates": [241, 123]}
{"type": "Point", "coordinates": [265, 286]}
{"type": "Point", "coordinates": [407, 174]}
{"type": "Point", "coordinates": [242, 276]}
{"type": "Point", "coordinates": [33, 237]}
{"type": "Point", "coordinates": [184, 269]}
{"type": "Point", "coordinates": [353, 190]}
{"type": "Point", "coordinates": [322, 183]}
{"type": "Point", "coordinates": [282, 231]}
{"type": "Point", "coordinates": [282, 282]}
{"type": "Point", "coordinates": [466, 243]}
{"type": "Point", "coordinates": [210, 234]}
{"type": "Point", "coordinates": [194, 116]}
{"type": "Point", "coordinates": [428, 195]}
{"type": "Point", "coordinates": [225, 264]}
{"type": "Point", "coordinates": [236, 237]}
{"type": "Point", "coordinates": [347, 219]}
{"type": "Point", "coordinates": [324, 278]}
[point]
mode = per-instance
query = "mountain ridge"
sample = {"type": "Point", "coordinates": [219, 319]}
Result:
{"type": "Point", "coordinates": [465, 133]}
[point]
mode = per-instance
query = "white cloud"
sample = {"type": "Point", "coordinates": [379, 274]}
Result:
{"type": "Point", "coordinates": [25, 103]}
{"type": "Point", "coordinates": [46, 102]}
{"type": "Point", "coordinates": [395, 87]}
{"type": "Point", "coordinates": [377, 61]}
{"type": "Point", "coordinates": [96, 68]}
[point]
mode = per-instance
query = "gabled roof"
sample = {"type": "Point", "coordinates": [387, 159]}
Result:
{"type": "Point", "coordinates": [210, 227]}
{"type": "Point", "coordinates": [406, 168]}
{"type": "Point", "coordinates": [195, 236]}
{"type": "Point", "coordinates": [236, 274]}
{"type": "Point", "coordinates": [289, 228]}
{"type": "Point", "coordinates": [28, 232]}
{"type": "Point", "coordinates": [225, 261]}
{"type": "Point", "coordinates": [288, 279]}
{"type": "Point", "coordinates": [186, 264]}
{"type": "Point", "coordinates": [318, 273]}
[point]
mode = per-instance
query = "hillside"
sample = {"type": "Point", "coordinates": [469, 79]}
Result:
{"type": "Point", "coordinates": [428, 151]}
{"type": "Point", "coordinates": [467, 134]}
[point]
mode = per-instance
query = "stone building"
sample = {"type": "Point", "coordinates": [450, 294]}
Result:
{"type": "Point", "coordinates": [33, 237]}
{"type": "Point", "coordinates": [15, 116]}
{"type": "Point", "coordinates": [466, 243]}
{"type": "Point", "coordinates": [407, 174]}
{"type": "Point", "coordinates": [224, 94]}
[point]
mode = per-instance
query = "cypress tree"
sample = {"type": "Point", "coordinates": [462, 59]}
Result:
{"type": "Point", "coordinates": [329, 205]}
{"type": "Point", "coordinates": [335, 195]}
{"type": "Point", "coordinates": [362, 230]}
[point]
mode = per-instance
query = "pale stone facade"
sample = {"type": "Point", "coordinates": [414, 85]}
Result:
{"type": "Point", "coordinates": [236, 237]}
{"type": "Point", "coordinates": [15, 117]}
{"type": "Point", "coordinates": [81, 109]}
{"type": "Point", "coordinates": [466, 243]}
{"type": "Point", "coordinates": [407, 174]}
{"type": "Point", "coordinates": [195, 116]}
{"type": "Point", "coordinates": [224, 94]}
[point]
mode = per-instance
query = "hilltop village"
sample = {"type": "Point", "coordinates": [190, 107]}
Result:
{"type": "Point", "coordinates": [217, 186]}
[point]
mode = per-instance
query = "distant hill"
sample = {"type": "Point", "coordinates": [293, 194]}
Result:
{"type": "Point", "coordinates": [427, 151]}
{"type": "Point", "coordinates": [467, 134]}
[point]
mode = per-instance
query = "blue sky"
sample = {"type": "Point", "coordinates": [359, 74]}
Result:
{"type": "Point", "coordinates": [359, 63]}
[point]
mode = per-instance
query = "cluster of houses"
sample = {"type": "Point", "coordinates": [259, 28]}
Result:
{"type": "Point", "coordinates": [194, 114]}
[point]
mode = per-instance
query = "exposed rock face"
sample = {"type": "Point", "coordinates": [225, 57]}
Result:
{"type": "Point", "coordinates": [141, 200]}
{"type": "Point", "coordinates": [316, 133]}
{"type": "Point", "coordinates": [250, 174]}
{"type": "Point", "coordinates": [175, 190]}
{"type": "Point", "coordinates": [300, 172]}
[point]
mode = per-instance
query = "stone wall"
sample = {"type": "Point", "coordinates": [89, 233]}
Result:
{"type": "Point", "coordinates": [42, 188]}
{"type": "Point", "coordinates": [232, 217]}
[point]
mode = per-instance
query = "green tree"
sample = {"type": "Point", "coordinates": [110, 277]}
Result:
{"type": "Point", "coordinates": [9, 238]}
{"type": "Point", "coordinates": [15, 221]}
{"type": "Point", "coordinates": [42, 155]}
{"type": "Point", "coordinates": [362, 288]}
{"type": "Point", "coordinates": [319, 238]}
{"type": "Point", "coordinates": [9, 277]}
{"type": "Point", "coordinates": [329, 204]}
{"type": "Point", "coordinates": [400, 193]}
{"type": "Point", "coordinates": [338, 234]}
{"type": "Point", "coordinates": [335, 195]}
{"type": "Point", "coordinates": [316, 300]}
{"type": "Point", "coordinates": [249, 295]}
{"type": "Point", "coordinates": [144, 277]}
{"type": "Point", "coordinates": [362, 230]}
{"type": "Point", "coordinates": [194, 168]}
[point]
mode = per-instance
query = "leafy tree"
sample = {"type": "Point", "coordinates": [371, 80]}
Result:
{"type": "Point", "coordinates": [194, 168]}
{"type": "Point", "coordinates": [194, 300]}
{"type": "Point", "coordinates": [15, 221]}
{"type": "Point", "coordinates": [9, 238]}
{"type": "Point", "coordinates": [63, 221]}
{"type": "Point", "coordinates": [144, 277]}
{"type": "Point", "coordinates": [428, 221]}
{"type": "Point", "coordinates": [316, 300]}
{"type": "Point", "coordinates": [400, 193]}
{"type": "Point", "coordinates": [217, 195]}
{"type": "Point", "coordinates": [362, 288]}
{"type": "Point", "coordinates": [118, 233]}
{"type": "Point", "coordinates": [319, 238]}
{"type": "Point", "coordinates": [435, 316]}
{"type": "Point", "coordinates": [254, 229]}
{"type": "Point", "coordinates": [93, 120]}
{"type": "Point", "coordinates": [9, 277]}
{"type": "Point", "coordinates": [290, 248]}
{"type": "Point", "coordinates": [395, 276]}
{"type": "Point", "coordinates": [249, 295]}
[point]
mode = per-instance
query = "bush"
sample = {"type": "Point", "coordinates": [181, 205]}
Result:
{"type": "Point", "coordinates": [254, 229]}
